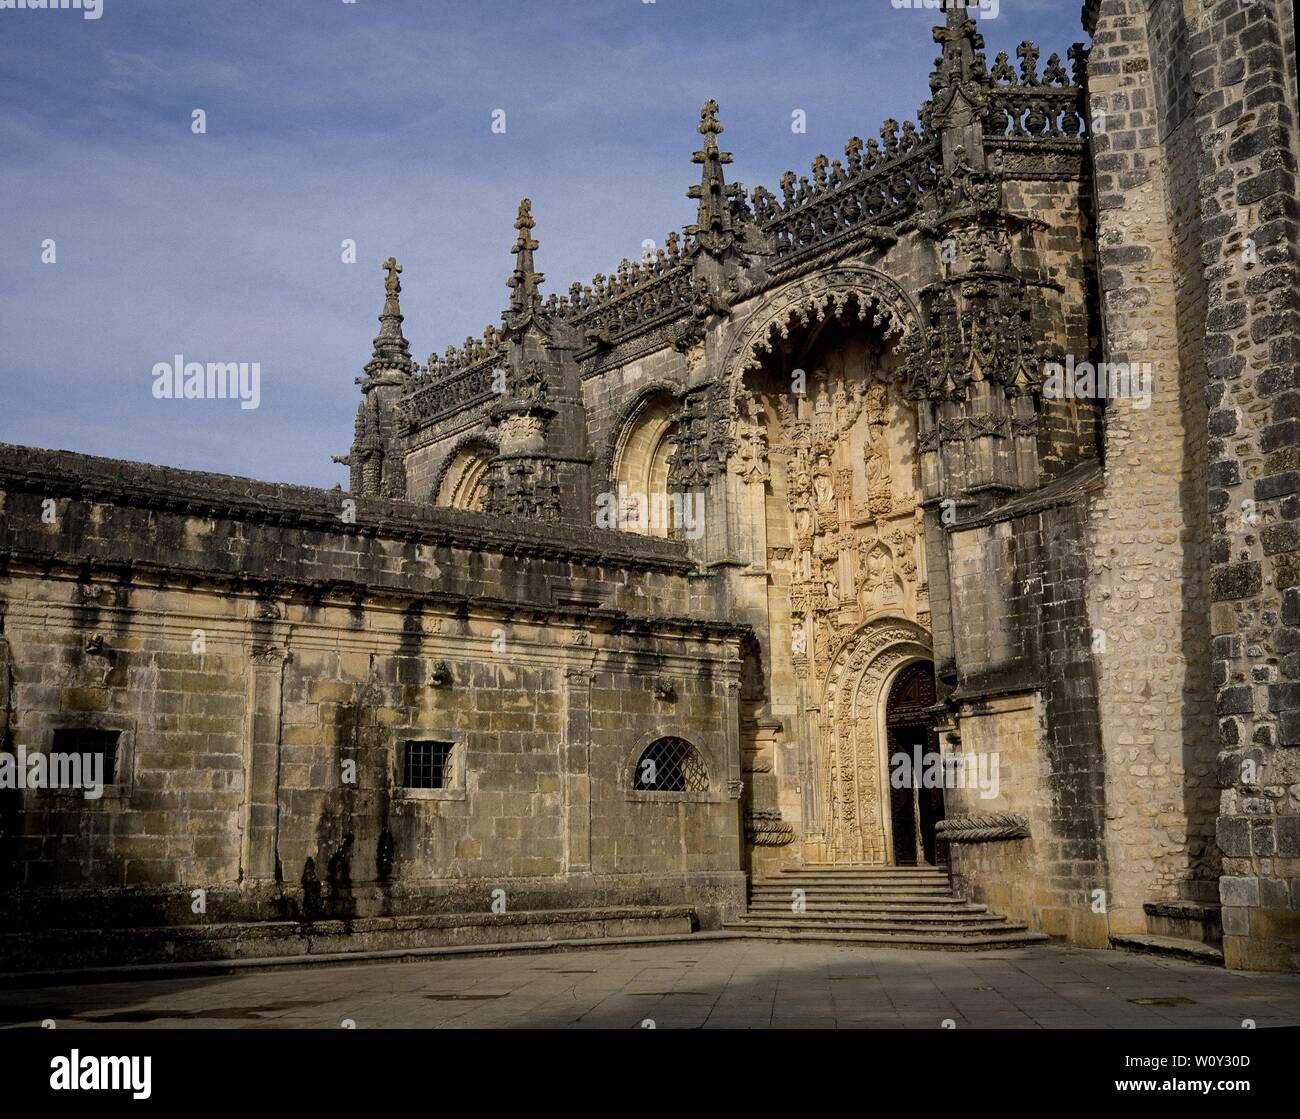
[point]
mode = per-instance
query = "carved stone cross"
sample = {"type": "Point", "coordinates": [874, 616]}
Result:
{"type": "Point", "coordinates": [391, 284]}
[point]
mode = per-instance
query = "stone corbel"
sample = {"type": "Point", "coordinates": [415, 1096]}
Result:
{"type": "Point", "coordinates": [982, 829]}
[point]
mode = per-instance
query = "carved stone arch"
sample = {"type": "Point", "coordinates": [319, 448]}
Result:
{"type": "Point", "coordinates": [618, 432]}
{"type": "Point", "coordinates": [463, 468]}
{"type": "Point", "coordinates": [877, 298]}
{"type": "Point", "coordinates": [851, 811]}
{"type": "Point", "coordinates": [639, 451]}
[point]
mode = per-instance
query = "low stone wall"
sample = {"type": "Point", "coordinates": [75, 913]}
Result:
{"type": "Point", "coordinates": [58, 949]}
{"type": "Point", "coordinates": [264, 661]}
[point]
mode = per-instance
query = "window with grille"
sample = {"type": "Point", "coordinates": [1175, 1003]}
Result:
{"type": "Point", "coordinates": [90, 741]}
{"type": "Point", "coordinates": [426, 764]}
{"type": "Point", "coordinates": [670, 765]}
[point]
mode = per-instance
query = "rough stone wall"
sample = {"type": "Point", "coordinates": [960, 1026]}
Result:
{"type": "Point", "coordinates": [1026, 679]}
{"type": "Point", "coordinates": [1061, 256]}
{"type": "Point", "coordinates": [1146, 588]}
{"type": "Point", "coordinates": [1036, 879]}
{"type": "Point", "coordinates": [255, 648]}
{"type": "Point", "coordinates": [169, 816]}
{"type": "Point", "coordinates": [1243, 71]}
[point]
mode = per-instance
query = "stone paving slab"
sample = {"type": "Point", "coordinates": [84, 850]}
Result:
{"type": "Point", "coordinates": [709, 984]}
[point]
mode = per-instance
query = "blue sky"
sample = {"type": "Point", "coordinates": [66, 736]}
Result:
{"type": "Point", "coordinates": [372, 121]}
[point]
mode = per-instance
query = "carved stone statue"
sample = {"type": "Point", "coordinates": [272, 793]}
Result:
{"type": "Point", "coordinates": [877, 585]}
{"type": "Point", "coordinates": [823, 484]}
{"type": "Point", "coordinates": [880, 486]}
{"type": "Point", "coordinates": [751, 438]}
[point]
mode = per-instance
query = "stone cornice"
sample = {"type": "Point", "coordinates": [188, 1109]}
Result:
{"type": "Point", "coordinates": [63, 474]}
{"type": "Point", "coordinates": [20, 562]}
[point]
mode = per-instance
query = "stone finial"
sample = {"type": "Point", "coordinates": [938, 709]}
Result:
{"type": "Point", "coordinates": [1078, 55]}
{"type": "Point", "coordinates": [524, 282]}
{"type": "Point", "coordinates": [392, 352]}
{"type": "Point", "coordinates": [1027, 52]}
{"type": "Point", "coordinates": [712, 228]}
{"type": "Point", "coordinates": [963, 51]}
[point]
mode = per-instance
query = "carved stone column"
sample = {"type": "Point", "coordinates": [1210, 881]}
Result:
{"type": "Point", "coordinates": [260, 844]}
{"type": "Point", "coordinates": [731, 728]}
{"type": "Point", "coordinates": [576, 767]}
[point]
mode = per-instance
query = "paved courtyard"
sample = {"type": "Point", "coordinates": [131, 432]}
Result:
{"type": "Point", "coordinates": [723, 984]}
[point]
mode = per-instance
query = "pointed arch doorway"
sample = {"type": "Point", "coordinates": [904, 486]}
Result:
{"type": "Point", "coordinates": [915, 768]}
{"type": "Point", "coordinates": [853, 799]}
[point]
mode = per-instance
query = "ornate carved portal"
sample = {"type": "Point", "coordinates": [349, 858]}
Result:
{"type": "Point", "coordinates": [824, 426]}
{"type": "Point", "coordinates": [852, 769]}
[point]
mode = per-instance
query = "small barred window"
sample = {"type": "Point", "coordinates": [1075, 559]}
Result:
{"type": "Point", "coordinates": [670, 765]}
{"type": "Point", "coordinates": [88, 742]}
{"type": "Point", "coordinates": [426, 765]}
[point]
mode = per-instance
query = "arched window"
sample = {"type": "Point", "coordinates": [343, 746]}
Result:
{"type": "Point", "coordinates": [670, 765]}
{"type": "Point", "coordinates": [640, 473]}
{"type": "Point", "coordinates": [464, 484]}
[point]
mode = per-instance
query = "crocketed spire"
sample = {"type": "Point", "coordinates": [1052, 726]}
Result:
{"type": "Point", "coordinates": [712, 228]}
{"type": "Point", "coordinates": [524, 282]}
{"type": "Point", "coordinates": [392, 351]}
{"type": "Point", "coordinates": [962, 60]}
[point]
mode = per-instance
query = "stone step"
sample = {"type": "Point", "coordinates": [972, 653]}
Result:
{"type": "Point", "coordinates": [927, 941]}
{"type": "Point", "coordinates": [839, 901]}
{"type": "Point", "coordinates": [1185, 920]}
{"type": "Point", "coordinates": [851, 893]}
{"type": "Point", "coordinates": [880, 874]}
{"type": "Point", "coordinates": [875, 868]}
{"type": "Point", "coordinates": [862, 879]}
{"type": "Point", "coordinates": [1174, 946]}
{"type": "Point", "coordinates": [902, 907]}
{"type": "Point", "coordinates": [948, 911]}
{"type": "Point", "coordinates": [862, 884]}
{"type": "Point", "coordinates": [912, 922]}
{"type": "Point", "coordinates": [952, 920]}
{"type": "Point", "coordinates": [133, 972]}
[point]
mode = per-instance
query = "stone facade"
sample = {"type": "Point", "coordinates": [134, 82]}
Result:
{"type": "Point", "coordinates": [265, 652]}
{"type": "Point", "coordinates": [726, 497]}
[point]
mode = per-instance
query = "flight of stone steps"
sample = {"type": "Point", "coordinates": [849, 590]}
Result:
{"type": "Point", "coordinates": [903, 907]}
